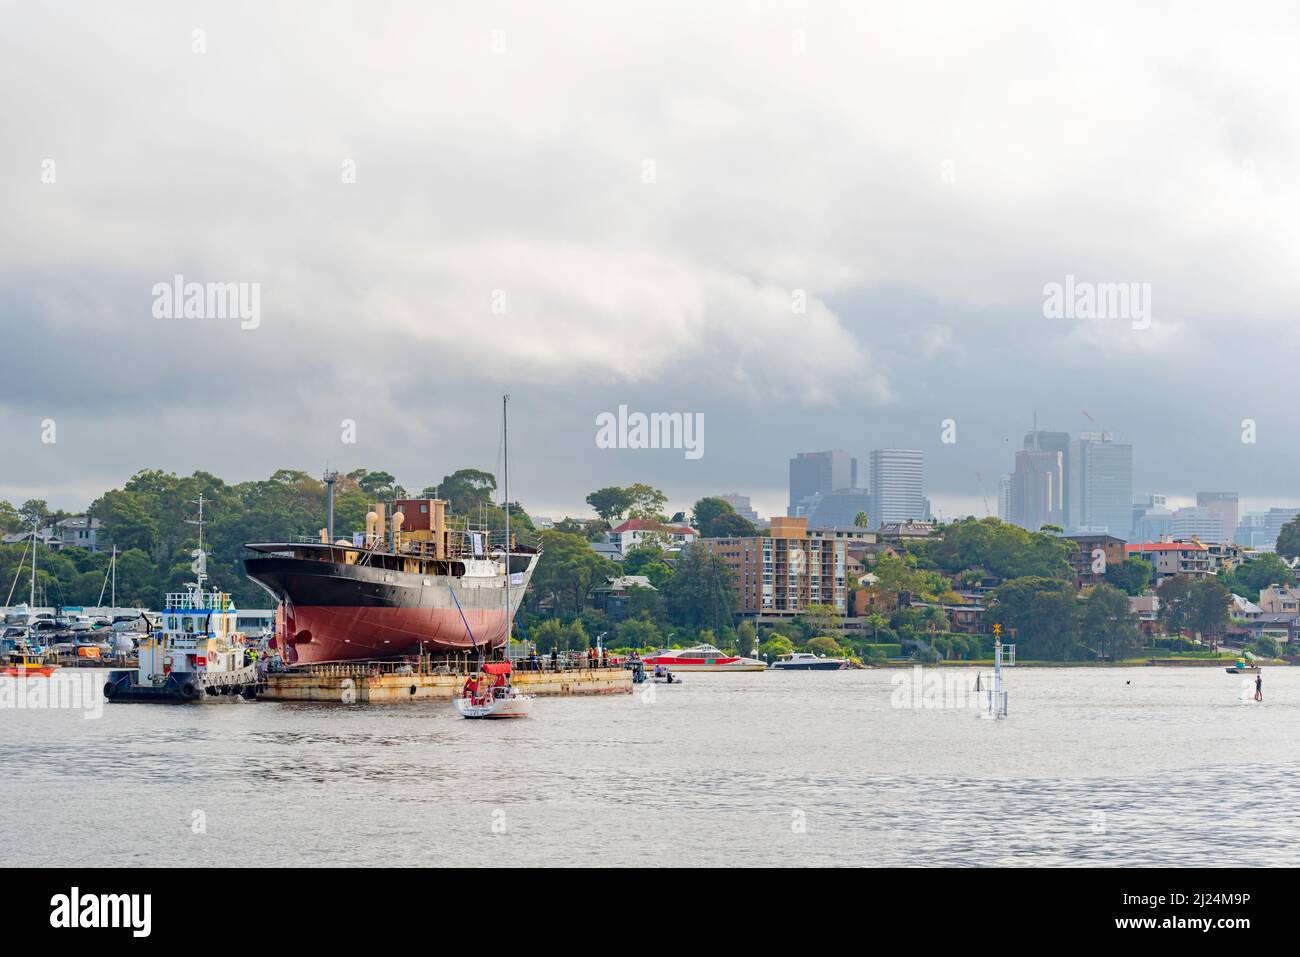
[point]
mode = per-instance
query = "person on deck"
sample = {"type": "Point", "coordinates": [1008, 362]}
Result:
{"type": "Point", "coordinates": [470, 689]}
{"type": "Point", "coordinates": [1259, 687]}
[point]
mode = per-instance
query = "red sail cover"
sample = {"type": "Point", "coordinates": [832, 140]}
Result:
{"type": "Point", "coordinates": [497, 668]}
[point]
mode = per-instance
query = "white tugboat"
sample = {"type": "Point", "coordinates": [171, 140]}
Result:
{"type": "Point", "coordinates": [194, 651]}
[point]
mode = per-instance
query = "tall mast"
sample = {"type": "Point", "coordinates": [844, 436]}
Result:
{"type": "Point", "coordinates": [200, 565]}
{"type": "Point", "coordinates": [32, 602]}
{"type": "Point", "coordinates": [505, 481]}
{"type": "Point", "coordinates": [330, 478]}
{"type": "Point", "coordinates": [112, 567]}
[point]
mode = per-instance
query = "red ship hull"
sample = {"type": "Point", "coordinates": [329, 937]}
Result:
{"type": "Point", "coordinates": [335, 611]}
{"type": "Point", "coordinates": [340, 633]}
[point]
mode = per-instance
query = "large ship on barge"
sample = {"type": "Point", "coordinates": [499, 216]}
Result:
{"type": "Point", "coordinates": [418, 581]}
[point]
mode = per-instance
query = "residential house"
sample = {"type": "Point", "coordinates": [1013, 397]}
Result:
{"type": "Point", "coordinates": [1280, 600]}
{"type": "Point", "coordinates": [636, 532]}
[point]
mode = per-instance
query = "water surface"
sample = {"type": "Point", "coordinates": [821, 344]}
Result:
{"type": "Point", "coordinates": [1127, 766]}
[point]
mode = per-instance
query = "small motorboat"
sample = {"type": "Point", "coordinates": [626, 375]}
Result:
{"type": "Point", "coordinates": [1242, 667]}
{"type": "Point", "coordinates": [662, 676]}
{"type": "Point", "coordinates": [500, 700]}
{"type": "Point", "coordinates": [26, 664]}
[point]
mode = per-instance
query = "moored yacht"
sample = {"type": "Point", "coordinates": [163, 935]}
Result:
{"type": "Point", "coordinates": [807, 661]}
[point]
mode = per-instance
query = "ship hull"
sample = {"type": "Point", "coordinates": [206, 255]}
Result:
{"type": "Point", "coordinates": [338, 612]}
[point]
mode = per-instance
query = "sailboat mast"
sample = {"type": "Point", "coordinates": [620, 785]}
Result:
{"type": "Point", "coordinates": [505, 481]}
{"type": "Point", "coordinates": [32, 602]}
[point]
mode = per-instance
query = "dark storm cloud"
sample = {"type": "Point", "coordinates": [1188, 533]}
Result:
{"type": "Point", "coordinates": [591, 207]}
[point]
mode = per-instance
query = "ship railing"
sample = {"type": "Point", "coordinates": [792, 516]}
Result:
{"type": "Point", "coordinates": [463, 664]}
{"type": "Point", "coordinates": [197, 600]}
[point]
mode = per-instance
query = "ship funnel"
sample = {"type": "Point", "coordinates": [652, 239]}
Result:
{"type": "Point", "coordinates": [371, 521]}
{"type": "Point", "coordinates": [398, 518]}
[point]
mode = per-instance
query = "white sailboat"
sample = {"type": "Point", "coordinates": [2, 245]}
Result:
{"type": "Point", "coordinates": [496, 696]}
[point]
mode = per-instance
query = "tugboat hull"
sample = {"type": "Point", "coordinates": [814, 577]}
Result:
{"type": "Point", "coordinates": [189, 686]}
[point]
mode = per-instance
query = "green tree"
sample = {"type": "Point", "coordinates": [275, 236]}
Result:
{"type": "Point", "coordinates": [715, 518]}
{"type": "Point", "coordinates": [34, 511]}
{"type": "Point", "coordinates": [639, 633]}
{"type": "Point", "coordinates": [1130, 576]}
{"type": "Point", "coordinates": [702, 591]}
{"type": "Point", "coordinates": [1051, 629]}
{"type": "Point", "coordinates": [1175, 606]}
{"type": "Point", "coordinates": [1042, 613]}
{"type": "Point", "coordinates": [548, 635]}
{"type": "Point", "coordinates": [468, 489]}
{"type": "Point", "coordinates": [825, 620]}
{"type": "Point", "coordinates": [1288, 539]}
{"type": "Point", "coordinates": [1006, 551]}
{"type": "Point", "coordinates": [10, 521]}
{"type": "Point", "coordinates": [1207, 606]}
{"type": "Point", "coordinates": [567, 571]}
{"type": "Point", "coordinates": [825, 645]}
{"type": "Point", "coordinates": [644, 603]}
{"type": "Point", "coordinates": [647, 502]}
{"type": "Point", "coordinates": [776, 646]}
{"type": "Point", "coordinates": [610, 503]}
{"type": "Point", "coordinates": [746, 639]}
{"type": "Point", "coordinates": [1108, 624]}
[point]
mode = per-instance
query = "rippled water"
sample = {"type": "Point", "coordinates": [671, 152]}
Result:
{"type": "Point", "coordinates": [1132, 766]}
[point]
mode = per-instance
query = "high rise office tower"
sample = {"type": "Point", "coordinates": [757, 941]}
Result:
{"type": "Point", "coordinates": [813, 472]}
{"type": "Point", "coordinates": [1040, 441]}
{"type": "Point", "coordinates": [1036, 490]}
{"type": "Point", "coordinates": [1100, 485]}
{"type": "Point", "coordinates": [1200, 523]}
{"type": "Point", "coordinates": [898, 486]}
{"type": "Point", "coordinates": [1004, 498]}
{"type": "Point", "coordinates": [1223, 504]}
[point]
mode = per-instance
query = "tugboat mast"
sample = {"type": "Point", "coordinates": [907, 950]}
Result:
{"type": "Point", "coordinates": [200, 564]}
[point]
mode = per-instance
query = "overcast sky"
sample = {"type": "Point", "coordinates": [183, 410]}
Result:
{"type": "Point", "coordinates": [641, 191]}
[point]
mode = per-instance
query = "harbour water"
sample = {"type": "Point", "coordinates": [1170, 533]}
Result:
{"type": "Point", "coordinates": [1115, 766]}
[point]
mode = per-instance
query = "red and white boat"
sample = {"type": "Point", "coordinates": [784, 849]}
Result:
{"type": "Point", "coordinates": [495, 698]}
{"type": "Point", "coordinates": [703, 658]}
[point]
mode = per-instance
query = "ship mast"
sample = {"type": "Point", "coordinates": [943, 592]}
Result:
{"type": "Point", "coordinates": [505, 481]}
{"type": "Point", "coordinates": [200, 565]}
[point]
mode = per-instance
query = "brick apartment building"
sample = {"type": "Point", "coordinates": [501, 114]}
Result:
{"type": "Point", "coordinates": [781, 574]}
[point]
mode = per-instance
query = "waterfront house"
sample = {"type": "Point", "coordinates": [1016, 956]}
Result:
{"type": "Point", "coordinates": [611, 597]}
